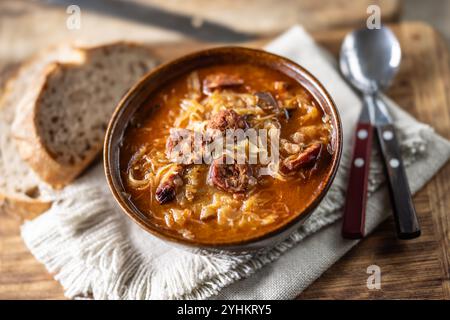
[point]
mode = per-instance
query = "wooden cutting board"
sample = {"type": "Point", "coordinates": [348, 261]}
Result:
{"type": "Point", "coordinates": [410, 269]}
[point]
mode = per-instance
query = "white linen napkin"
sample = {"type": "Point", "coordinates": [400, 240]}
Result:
{"type": "Point", "coordinates": [94, 250]}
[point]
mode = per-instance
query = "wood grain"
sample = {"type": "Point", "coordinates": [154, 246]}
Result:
{"type": "Point", "coordinates": [412, 269]}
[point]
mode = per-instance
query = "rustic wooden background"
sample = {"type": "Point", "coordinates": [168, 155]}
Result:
{"type": "Point", "coordinates": [27, 26]}
{"type": "Point", "coordinates": [410, 269]}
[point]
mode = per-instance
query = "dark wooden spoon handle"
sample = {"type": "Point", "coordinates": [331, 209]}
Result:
{"type": "Point", "coordinates": [402, 204]}
{"type": "Point", "coordinates": [355, 205]}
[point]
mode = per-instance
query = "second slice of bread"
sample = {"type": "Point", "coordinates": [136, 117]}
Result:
{"type": "Point", "coordinates": [60, 125]}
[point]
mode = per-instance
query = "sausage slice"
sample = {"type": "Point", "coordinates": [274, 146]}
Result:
{"type": "Point", "coordinates": [220, 80]}
{"type": "Point", "coordinates": [171, 180]}
{"type": "Point", "coordinates": [305, 158]}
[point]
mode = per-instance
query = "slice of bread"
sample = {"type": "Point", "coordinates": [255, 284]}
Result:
{"type": "Point", "coordinates": [59, 126]}
{"type": "Point", "coordinates": [21, 191]}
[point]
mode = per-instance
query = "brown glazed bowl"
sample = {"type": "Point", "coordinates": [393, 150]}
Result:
{"type": "Point", "coordinates": [154, 80]}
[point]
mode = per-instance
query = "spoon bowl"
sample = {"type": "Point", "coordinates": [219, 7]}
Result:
{"type": "Point", "coordinates": [370, 58]}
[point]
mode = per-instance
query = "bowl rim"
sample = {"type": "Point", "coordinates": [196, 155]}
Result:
{"type": "Point", "coordinates": [304, 214]}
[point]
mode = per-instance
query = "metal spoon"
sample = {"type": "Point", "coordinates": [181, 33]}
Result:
{"type": "Point", "coordinates": [369, 60]}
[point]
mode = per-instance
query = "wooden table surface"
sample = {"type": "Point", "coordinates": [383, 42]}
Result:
{"type": "Point", "coordinates": [27, 26]}
{"type": "Point", "coordinates": [410, 269]}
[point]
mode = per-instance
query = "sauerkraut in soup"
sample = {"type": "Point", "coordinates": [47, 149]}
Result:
{"type": "Point", "coordinates": [223, 200]}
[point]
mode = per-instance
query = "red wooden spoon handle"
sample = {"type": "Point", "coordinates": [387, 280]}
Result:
{"type": "Point", "coordinates": [355, 205]}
